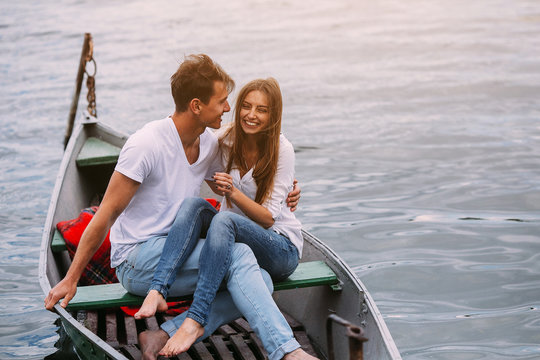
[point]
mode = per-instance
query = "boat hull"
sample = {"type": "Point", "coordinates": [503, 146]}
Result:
{"type": "Point", "coordinates": [75, 189]}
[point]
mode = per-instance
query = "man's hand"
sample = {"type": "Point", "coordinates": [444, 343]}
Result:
{"type": "Point", "coordinates": [64, 289]}
{"type": "Point", "coordinates": [294, 196]}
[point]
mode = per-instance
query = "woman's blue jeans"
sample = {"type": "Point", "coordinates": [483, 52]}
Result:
{"type": "Point", "coordinates": [183, 254]}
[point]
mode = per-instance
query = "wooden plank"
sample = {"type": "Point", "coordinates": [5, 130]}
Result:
{"type": "Point", "coordinates": [202, 351]}
{"type": "Point", "coordinates": [132, 352]}
{"type": "Point", "coordinates": [91, 321]}
{"type": "Point", "coordinates": [221, 348]}
{"type": "Point", "coordinates": [242, 325]}
{"type": "Point", "coordinates": [97, 152]}
{"type": "Point", "coordinates": [111, 336]}
{"type": "Point", "coordinates": [304, 342]}
{"type": "Point", "coordinates": [58, 244]}
{"type": "Point", "coordinates": [151, 323]}
{"type": "Point", "coordinates": [244, 352]}
{"type": "Point", "coordinates": [182, 356]}
{"type": "Point", "coordinates": [131, 330]}
{"type": "Point", "coordinates": [259, 348]}
{"type": "Point", "coordinates": [105, 296]}
{"type": "Point", "coordinates": [226, 330]}
{"type": "Point", "coordinates": [293, 323]}
{"type": "Point", "coordinates": [311, 273]}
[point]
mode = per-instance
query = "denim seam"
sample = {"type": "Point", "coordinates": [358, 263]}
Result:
{"type": "Point", "coordinates": [257, 310]}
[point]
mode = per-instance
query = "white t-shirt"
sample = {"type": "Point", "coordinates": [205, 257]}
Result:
{"type": "Point", "coordinates": [285, 222]}
{"type": "Point", "coordinates": [154, 157]}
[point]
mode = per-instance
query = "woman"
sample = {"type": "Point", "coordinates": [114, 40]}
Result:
{"type": "Point", "coordinates": [258, 165]}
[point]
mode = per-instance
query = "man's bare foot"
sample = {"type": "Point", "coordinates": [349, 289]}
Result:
{"type": "Point", "coordinates": [183, 338]}
{"type": "Point", "coordinates": [153, 302]}
{"type": "Point", "coordinates": [151, 341]}
{"type": "Point", "coordinates": [298, 354]}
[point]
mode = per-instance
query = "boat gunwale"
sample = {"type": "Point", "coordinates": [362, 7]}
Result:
{"type": "Point", "coordinates": [67, 161]}
{"type": "Point", "coordinates": [336, 262]}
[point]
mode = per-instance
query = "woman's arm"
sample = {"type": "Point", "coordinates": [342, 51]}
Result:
{"type": "Point", "coordinates": [271, 208]}
{"type": "Point", "coordinates": [256, 212]}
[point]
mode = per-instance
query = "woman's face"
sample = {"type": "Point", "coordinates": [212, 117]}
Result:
{"type": "Point", "coordinates": [254, 112]}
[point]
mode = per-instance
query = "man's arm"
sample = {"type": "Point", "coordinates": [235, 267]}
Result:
{"type": "Point", "coordinates": [294, 196]}
{"type": "Point", "coordinates": [117, 197]}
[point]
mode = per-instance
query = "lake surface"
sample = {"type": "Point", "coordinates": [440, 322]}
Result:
{"type": "Point", "coordinates": [416, 125]}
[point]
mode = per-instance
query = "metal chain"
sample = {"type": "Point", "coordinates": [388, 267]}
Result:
{"type": "Point", "coordinates": [91, 82]}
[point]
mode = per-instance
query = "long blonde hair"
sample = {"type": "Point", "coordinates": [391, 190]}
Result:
{"type": "Point", "coordinates": [268, 140]}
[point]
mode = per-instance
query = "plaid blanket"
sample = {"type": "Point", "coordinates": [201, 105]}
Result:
{"type": "Point", "coordinates": [98, 270]}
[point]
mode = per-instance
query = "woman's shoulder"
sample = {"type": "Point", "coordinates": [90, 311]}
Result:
{"type": "Point", "coordinates": [285, 144]}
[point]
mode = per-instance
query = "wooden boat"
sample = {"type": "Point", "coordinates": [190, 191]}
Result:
{"type": "Point", "coordinates": [110, 334]}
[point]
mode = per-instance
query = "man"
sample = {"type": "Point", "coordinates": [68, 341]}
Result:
{"type": "Point", "coordinates": [160, 165]}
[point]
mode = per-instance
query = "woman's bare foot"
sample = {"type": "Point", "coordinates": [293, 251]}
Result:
{"type": "Point", "coordinates": [153, 302]}
{"type": "Point", "coordinates": [299, 354]}
{"type": "Point", "coordinates": [183, 338]}
{"type": "Point", "coordinates": [151, 342]}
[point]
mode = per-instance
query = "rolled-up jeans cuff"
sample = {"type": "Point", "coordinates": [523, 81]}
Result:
{"type": "Point", "coordinates": [286, 348]}
{"type": "Point", "coordinates": [160, 289]}
{"type": "Point", "coordinates": [169, 327]}
{"type": "Point", "coordinates": [197, 318]}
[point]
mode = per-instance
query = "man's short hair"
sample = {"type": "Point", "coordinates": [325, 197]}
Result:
{"type": "Point", "coordinates": [195, 79]}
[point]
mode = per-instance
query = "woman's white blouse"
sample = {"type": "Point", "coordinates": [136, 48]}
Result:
{"type": "Point", "coordinates": [285, 222]}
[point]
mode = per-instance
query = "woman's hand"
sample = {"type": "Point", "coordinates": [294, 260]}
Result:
{"type": "Point", "coordinates": [294, 196]}
{"type": "Point", "coordinates": [224, 183]}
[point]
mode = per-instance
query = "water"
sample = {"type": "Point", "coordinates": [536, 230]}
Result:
{"type": "Point", "coordinates": [416, 125]}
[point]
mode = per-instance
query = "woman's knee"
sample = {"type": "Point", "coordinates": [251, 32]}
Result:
{"type": "Point", "coordinates": [224, 220]}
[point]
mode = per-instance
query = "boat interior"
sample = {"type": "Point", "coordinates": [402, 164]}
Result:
{"type": "Point", "coordinates": [95, 159]}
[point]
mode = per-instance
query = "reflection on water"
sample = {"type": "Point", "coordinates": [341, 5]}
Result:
{"type": "Point", "coordinates": [415, 124]}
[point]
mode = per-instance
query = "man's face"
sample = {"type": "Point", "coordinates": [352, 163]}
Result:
{"type": "Point", "coordinates": [211, 113]}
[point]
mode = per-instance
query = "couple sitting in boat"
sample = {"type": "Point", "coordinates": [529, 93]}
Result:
{"type": "Point", "coordinates": [156, 220]}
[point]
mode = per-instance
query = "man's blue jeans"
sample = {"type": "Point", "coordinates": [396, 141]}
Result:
{"type": "Point", "coordinates": [249, 290]}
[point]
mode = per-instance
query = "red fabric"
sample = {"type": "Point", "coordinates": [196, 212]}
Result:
{"type": "Point", "coordinates": [214, 203]}
{"type": "Point", "coordinates": [175, 308]}
{"type": "Point", "coordinates": [98, 270]}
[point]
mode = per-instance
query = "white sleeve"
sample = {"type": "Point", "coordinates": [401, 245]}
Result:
{"type": "Point", "coordinates": [283, 180]}
{"type": "Point", "coordinates": [135, 160]}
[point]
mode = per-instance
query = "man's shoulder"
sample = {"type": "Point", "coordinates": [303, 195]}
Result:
{"type": "Point", "coordinates": [155, 126]}
{"type": "Point", "coordinates": [209, 138]}
{"type": "Point", "coordinates": [149, 132]}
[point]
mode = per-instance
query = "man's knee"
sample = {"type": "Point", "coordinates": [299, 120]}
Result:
{"type": "Point", "coordinates": [193, 203]}
{"type": "Point", "coordinates": [267, 280]}
{"type": "Point", "coordinates": [243, 260]}
{"type": "Point", "coordinates": [242, 253]}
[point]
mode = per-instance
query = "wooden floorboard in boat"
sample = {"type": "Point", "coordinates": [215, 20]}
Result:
{"type": "Point", "coordinates": [233, 341]}
{"type": "Point", "coordinates": [111, 329]}
{"type": "Point", "coordinates": [221, 348]}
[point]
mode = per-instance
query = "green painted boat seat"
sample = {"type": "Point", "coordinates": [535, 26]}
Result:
{"type": "Point", "coordinates": [97, 152]}
{"type": "Point", "coordinates": [58, 243]}
{"type": "Point", "coordinates": [312, 273]}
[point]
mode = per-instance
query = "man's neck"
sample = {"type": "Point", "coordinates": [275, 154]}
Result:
{"type": "Point", "coordinates": [189, 129]}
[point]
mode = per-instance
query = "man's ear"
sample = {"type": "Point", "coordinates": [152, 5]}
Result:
{"type": "Point", "coordinates": [195, 106]}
